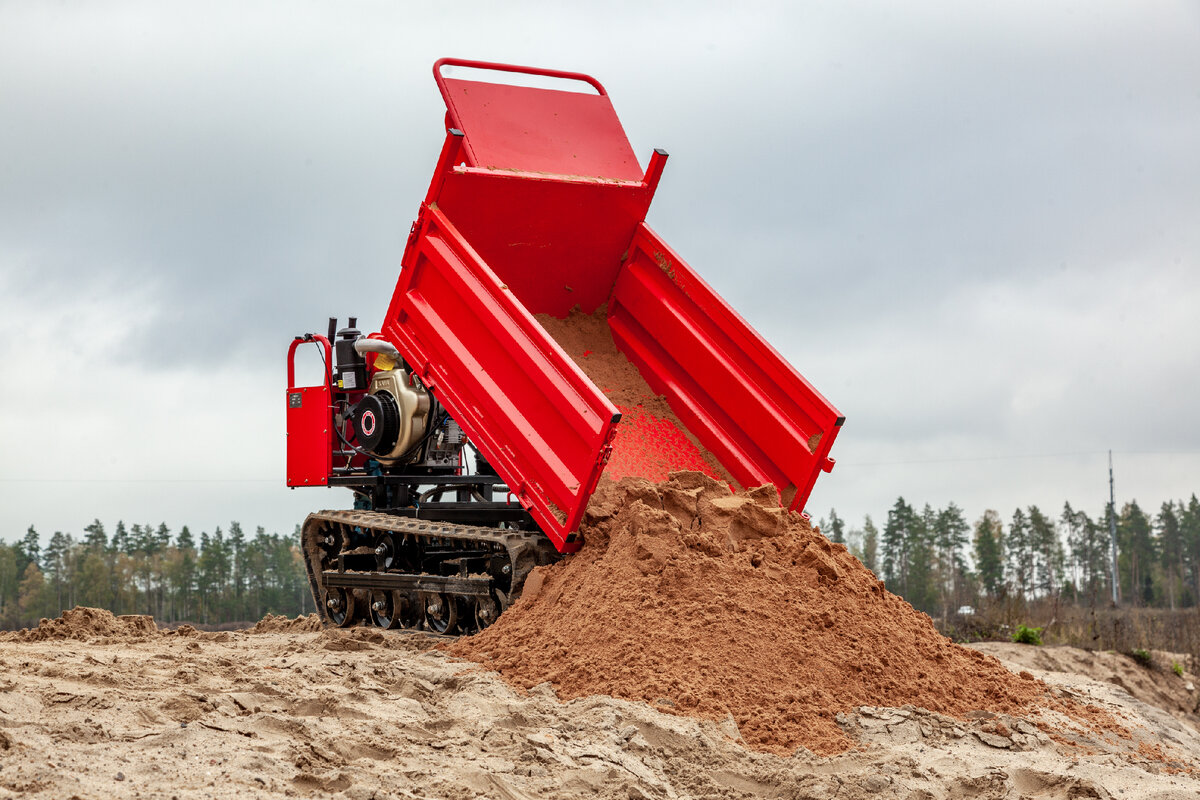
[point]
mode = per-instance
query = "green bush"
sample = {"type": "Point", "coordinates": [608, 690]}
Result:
{"type": "Point", "coordinates": [1177, 668]}
{"type": "Point", "coordinates": [1142, 656]}
{"type": "Point", "coordinates": [1026, 635]}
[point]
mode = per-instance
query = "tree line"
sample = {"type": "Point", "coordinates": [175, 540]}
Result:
{"type": "Point", "coordinates": [218, 578]}
{"type": "Point", "coordinates": [940, 563]}
{"type": "Point", "coordinates": [933, 558]}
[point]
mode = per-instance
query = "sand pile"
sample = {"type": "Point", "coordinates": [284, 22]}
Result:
{"type": "Point", "coordinates": [86, 624]}
{"type": "Point", "coordinates": [285, 715]}
{"type": "Point", "coordinates": [711, 604]}
{"type": "Point", "coordinates": [280, 623]}
{"type": "Point", "coordinates": [651, 442]}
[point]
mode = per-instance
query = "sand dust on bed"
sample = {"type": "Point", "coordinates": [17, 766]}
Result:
{"type": "Point", "coordinates": [651, 441]}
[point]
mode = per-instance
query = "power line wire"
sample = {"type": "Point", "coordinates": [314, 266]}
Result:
{"type": "Point", "coordinates": [842, 463]}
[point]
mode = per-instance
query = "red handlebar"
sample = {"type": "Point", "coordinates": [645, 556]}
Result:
{"type": "Point", "coordinates": [549, 73]}
{"type": "Point", "coordinates": [328, 359]}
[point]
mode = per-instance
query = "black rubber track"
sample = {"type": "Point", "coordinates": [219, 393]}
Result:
{"type": "Point", "coordinates": [525, 550]}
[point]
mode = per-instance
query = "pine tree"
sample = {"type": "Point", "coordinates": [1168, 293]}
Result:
{"type": "Point", "coordinates": [837, 528]}
{"type": "Point", "coordinates": [158, 565]}
{"type": "Point", "coordinates": [237, 549]}
{"type": "Point", "coordinates": [145, 546]}
{"type": "Point", "coordinates": [1069, 521]}
{"type": "Point", "coordinates": [897, 534]}
{"type": "Point", "coordinates": [56, 566]}
{"type": "Point", "coordinates": [95, 581]}
{"type": "Point", "coordinates": [214, 567]}
{"type": "Point", "coordinates": [989, 553]}
{"type": "Point", "coordinates": [32, 595]}
{"type": "Point", "coordinates": [96, 539]}
{"type": "Point", "coordinates": [870, 545]}
{"type": "Point", "coordinates": [921, 589]}
{"type": "Point", "coordinates": [1170, 541]}
{"type": "Point", "coordinates": [1047, 552]}
{"type": "Point", "coordinates": [1020, 551]}
{"type": "Point", "coordinates": [162, 536]}
{"type": "Point", "coordinates": [120, 541]}
{"type": "Point", "coordinates": [28, 550]}
{"type": "Point", "coordinates": [950, 538]}
{"type": "Point", "coordinates": [184, 578]}
{"type": "Point", "coordinates": [1135, 535]}
{"type": "Point", "coordinates": [8, 585]}
{"type": "Point", "coordinates": [1189, 524]}
{"type": "Point", "coordinates": [205, 576]}
{"type": "Point", "coordinates": [117, 545]}
{"type": "Point", "coordinates": [1114, 580]}
{"type": "Point", "coordinates": [257, 568]}
{"type": "Point", "coordinates": [1088, 543]}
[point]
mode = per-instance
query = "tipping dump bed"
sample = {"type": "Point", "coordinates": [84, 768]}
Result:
{"type": "Point", "coordinates": [538, 206]}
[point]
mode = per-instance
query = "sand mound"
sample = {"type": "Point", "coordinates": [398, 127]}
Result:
{"type": "Point", "coordinates": [280, 623]}
{"type": "Point", "coordinates": [710, 604]}
{"type": "Point", "coordinates": [85, 624]}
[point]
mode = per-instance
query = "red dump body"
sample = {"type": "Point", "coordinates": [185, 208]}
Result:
{"type": "Point", "coordinates": [538, 206]}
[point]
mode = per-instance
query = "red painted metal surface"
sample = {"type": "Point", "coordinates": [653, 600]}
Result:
{"type": "Point", "coordinates": [538, 206]}
{"type": "Point", "coordinates": [539, 130]}
{"type": "Point", "coordinates": [650, 447]}
{"type": "Point", "coordinates": [762, 420]}
{"type": "Point", "coordinates": [543, 184]}
{"type": "Point", "coordinates": [309, 422]}
{"type": "Point", "coordinates": [541, 423]}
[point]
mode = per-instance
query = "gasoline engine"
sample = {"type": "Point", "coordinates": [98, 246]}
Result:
{"type": "Point", "coordinates": [397, 421]}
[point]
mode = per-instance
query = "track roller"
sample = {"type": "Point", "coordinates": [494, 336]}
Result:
{"type": "Point", "coordinates": [487, 609]}
{"type": "Point", "coordinates": [441, 612]}
{"type": "Point", "coordinates": [342, 607]}
{"type": "Point", "coordinates": [385, 552]}
{"type": "Point", "coordinates": [383, 609]}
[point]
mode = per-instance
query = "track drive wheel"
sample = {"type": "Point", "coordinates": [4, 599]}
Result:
{"type": "Point", "coordinates": [441, 612]}
{"type": "Point", "coordinates": [342, 607]}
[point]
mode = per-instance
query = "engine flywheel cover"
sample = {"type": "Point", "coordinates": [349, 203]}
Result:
{"type": "Point", "coordinates": [377, 422]}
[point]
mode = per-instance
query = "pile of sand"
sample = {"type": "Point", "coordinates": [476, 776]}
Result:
{"type": "Point", "coordinates": [87, 624]}
{"type": "Point", "coordinates": [280, 623]}
{"type": "Point", "coordinates": [710, 604]}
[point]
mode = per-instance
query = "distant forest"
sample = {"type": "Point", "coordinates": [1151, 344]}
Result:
{"type": "Point", "coordinates": [218, 578]}
{"type": "Point", "coordinates": [934, 558]}
{"type": "Point", "coordinates": [940, 563]}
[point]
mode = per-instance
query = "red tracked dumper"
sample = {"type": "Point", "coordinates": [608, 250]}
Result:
{"type": "Point", "coordinates": [537, 207]}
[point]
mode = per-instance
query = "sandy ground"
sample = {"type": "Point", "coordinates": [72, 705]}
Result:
{"type": "Point", "coordinates": [124, 710]}
{"type": "Point", "coordinates": [1157, 685]}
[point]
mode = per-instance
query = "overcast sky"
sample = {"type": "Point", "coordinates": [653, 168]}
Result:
{"type": "Point", "coordinates": [975, 227]}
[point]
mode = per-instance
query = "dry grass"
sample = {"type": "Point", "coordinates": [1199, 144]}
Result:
{"type": "Point", "coordinates": [1101, 628]}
